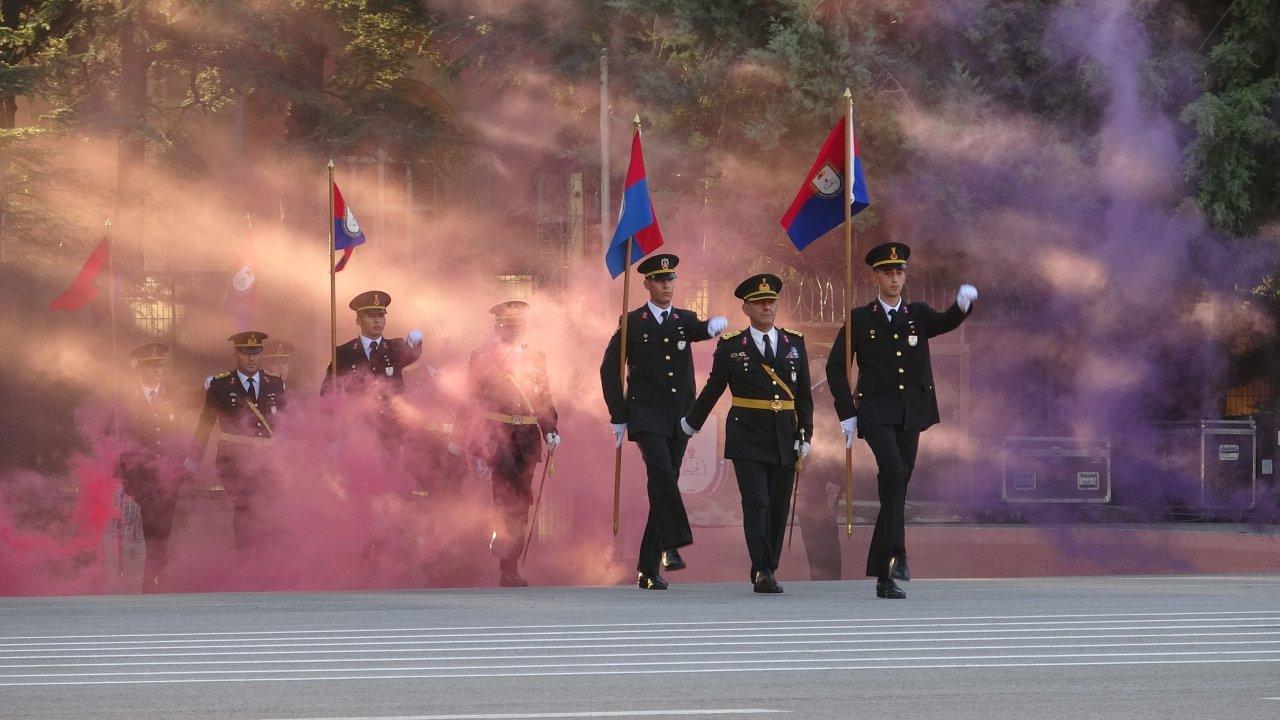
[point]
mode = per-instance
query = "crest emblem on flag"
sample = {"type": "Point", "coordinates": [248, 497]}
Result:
{"type": "Point", "coordinates": [827, 182]}
{"type": "Point", "coordinates": [349, 224]}
{"type": "Point", "coordinates": [243, 280]}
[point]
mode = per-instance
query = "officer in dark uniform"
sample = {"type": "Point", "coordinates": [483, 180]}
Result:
{"type": "Point", "coordinates": [246, 403]}
{"type": "Point", "coordinates": [508, 415]}
{"type": "Point", "coordinates": [372, 360]}
{"type": "Point", "coordinates": [894, 400]}
{"type": "Point", "coordinates": [277, 356]}
{"type": "Point", "coordinates": [770, 423]}
{"type": "Point", "coordinates": [660, 390]}
{"type": "Point", "coordinates": [149, 422]}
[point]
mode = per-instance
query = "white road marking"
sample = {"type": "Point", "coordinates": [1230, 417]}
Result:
{"type": "Point", "coordinates": [658, 671]}
{"type": "Point", "coordinates": [1091, 617]}
{"type": "Point", "coordinates": [607, 646]}
{"type": "Point", "coordinates": [497, 638]}
{"type": "Point", "coordinates": [542, 715]}
{"type": "Point", "coordinates": [662, 663]}
{"type": "Point", "coordinates": [666, 653]}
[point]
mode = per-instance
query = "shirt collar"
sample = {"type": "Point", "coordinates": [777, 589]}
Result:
{"type": "Point", "coordinates": [759, 336]}
{"type": "Point", "coordinates": [365, 342]}
{"type": "Point", "coordinates": [888, 307]}
{"type": "Point", "coordinates": [657, 311]}
{"type": "Point", "coordinates": [148, 391]}
{"type": "Point", "coordinates": [257, 379]}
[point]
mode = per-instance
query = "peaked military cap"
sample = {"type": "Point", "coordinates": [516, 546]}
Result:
{"type": "Point", "coordinates": [249, 341]}
{"type": "Point", "coordinates": [278, 349]}
{"type": "Point", "coordinates": [509, 311]}
{"type": "Point", "coordinates": [886, 255]}
{"type": "Point", "coordinates": [759, 287]}
{"type": "Point", "coordinates": [373, 301]}
{"type": "Point", "coordinates": [659, 266]}
{"type": "Point", "coordinates": [149, 353]}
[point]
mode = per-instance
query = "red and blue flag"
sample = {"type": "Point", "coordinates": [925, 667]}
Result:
{"type": "Point", "coordinates": [637, 220]}
{"type": "Point", "coordinates": [346, 231]}
{"type": "Point", "coordinates": [819, 205]}
{"type": "Point", "coordinates": [241, 298]}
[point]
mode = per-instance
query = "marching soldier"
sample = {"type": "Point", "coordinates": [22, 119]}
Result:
{"type": "Point", "coordinates": [508, 388]}
{"type": "Point", "coordinates": [276, 358]}
{"type": "Point", "coordinates": [148, 421]}
{"type": "Point", "coordinates": [770, 425]}
{"type": "Point", "coordinates": [894, 400]}
{"type": "Point", "coordinates": [660, 391]}
{"type": "Point", "coordinates": [371, 359]}
{"type": "Point", "coordinates": [245, 402]}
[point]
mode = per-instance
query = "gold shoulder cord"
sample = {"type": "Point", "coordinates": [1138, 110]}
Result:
{"type": "Point", "coordinates": [258, 413]}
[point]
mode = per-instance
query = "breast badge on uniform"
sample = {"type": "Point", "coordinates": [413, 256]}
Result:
{"type": "Point", "coordinates": [913, 340]}
{"type": "Point", "coordinates": [390, 371]}
{"type": "Point", "coordinates": [682, 345]}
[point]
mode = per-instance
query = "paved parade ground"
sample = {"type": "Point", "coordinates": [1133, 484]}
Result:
{"type": "Point", "coordinates": [1131, 647]}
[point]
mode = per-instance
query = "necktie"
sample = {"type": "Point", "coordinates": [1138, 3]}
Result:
{"type": "Point", "coordinates": [253, 391]}
{"type": "Point", "coordinates": [893, 315]}
{"type": "Point", "coordinates": [151, 397]}
{"type": "Point", "coordinates": [373, 349]}
{"type": "Point", "coordinates": [768, 349]}
{"type": "Point", "coordinates": [663, 320]}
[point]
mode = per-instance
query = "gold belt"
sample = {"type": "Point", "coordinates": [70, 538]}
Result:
{"type": "Point", "coordinates": [245, 439]}
{"type": "Point", "coordinates": [764, 404]}
{"type": "Point", "coordinates": [510, 419]}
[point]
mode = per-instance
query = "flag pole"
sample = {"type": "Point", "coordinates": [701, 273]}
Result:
{"type": "Point", "coordinates": [848, 293]}
{"type": "Point", "coordinates": [622, 363]}
{"type": "Point", "coordinates": [333, 290]}
{"type": "Point", "coordinates": [115, 388]}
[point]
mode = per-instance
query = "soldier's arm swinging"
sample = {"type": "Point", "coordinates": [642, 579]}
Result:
{"type": "Point", "coordinates": [611, 382]}
{"type": "Point", "coordinates": [721, 368]}
{"type": "Point", "coordinates": [939, 323]}
{"type": "Point", "coordinates": [204, 428]}
{"type": "Point", "coordinates": [838, 377]}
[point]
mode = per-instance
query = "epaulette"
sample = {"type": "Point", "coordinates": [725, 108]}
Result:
{"type": "Point", "coordinates": [731, 333]}
{"type": "Point", "coordinates": [797, 333]}
{"type": "Point", "coordinates": [268, 373]}
{"type": "Point", "coordinates": [221, 375]}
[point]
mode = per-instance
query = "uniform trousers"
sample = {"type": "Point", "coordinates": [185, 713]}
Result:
{"type": "Point", "coordinates": [667, 527]}
{"type": "Point", "coordinates": [895, 451]}
{"type": "Point", "coordinates": [766, 499]}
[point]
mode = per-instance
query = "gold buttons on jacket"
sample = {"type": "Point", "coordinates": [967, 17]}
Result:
{"type": "Point", "coordinates": [901, 370]}
{"type": "Point", "coordinates": [895, 336]}
{"type": "Point", "coordinates": [671, 374]}
{"type": "Point", "coordinates": [902, 387]}
{"type": "Point", "coordinates": [673, 389]}
{"type": "Point", "coordinates": [668, 357]}
{"type": "Point", "coordinates": [899, 353]}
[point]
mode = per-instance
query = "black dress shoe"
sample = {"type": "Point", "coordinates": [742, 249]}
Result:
{"type": "Point", "coordinates": [898, 568]}
{"type": "Point", "coordinates": [671, 560]}
{"type": "Point", "coordinates": [889, 589]}
{"type": "Point", "coordinates": [512, 579]}
{"type": "Point", "coordinates": [766, 584]}
{"type": "Point", "coordinates": [650, 582]}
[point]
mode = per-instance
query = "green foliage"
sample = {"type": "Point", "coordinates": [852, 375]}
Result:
{"type": "Point", "coordinates": [1235, 156]}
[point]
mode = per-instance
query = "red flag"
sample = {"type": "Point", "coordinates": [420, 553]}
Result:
{"type": "Point", "coordinates": [241, 298]}
{"type": "Point", "coordinates": [85, 287]}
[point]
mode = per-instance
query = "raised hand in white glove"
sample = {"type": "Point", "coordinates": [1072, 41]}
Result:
{"type": "Point", "coordinates": [482, 470]}
{"type": "Point", "coordinates": [687, 428]}
{"type": "Point", "coordinates": [619, 432]}
{"type": "Point", "coordinates": [553, 440]}
{"type": "Point", "coordinates": [802, 449]}
{"type": "Point", "coordinates": [849, 427]}
{"type": "Point", "coordinates": [716, 325]}
{"type": "Point", "coordinates": [966, 296]}
{"type": "Point", "coordinates": [190, 465]}
{"type": "Point", "coordinates": [455, 449]}
{"type": "Point", "coordinates": [413, 338]}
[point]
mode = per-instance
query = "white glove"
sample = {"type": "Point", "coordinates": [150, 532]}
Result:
{"type": "Point", "coordinates": [966, 296]}
{"type": "Point", "coordinates": [619, 432]}
{"type": "Point", "coordinates": [191, 465]}
{"type": "Point", "coordinates": [687, 428]}
{"type": "Point", "coordinates": [455, 449]}
{"type": "Point", "coordinates": [553, 440]}
{"type": "Point", "coordinates": [414, 338]}
{"type": "Point", "coordinates": [482, 470]}
{"type": "Point", "coordinates": [802, 449]}
{"type": "Point", "coordinates": [849, 427]}
{"type": "Point", "coordinates": [716, 325]}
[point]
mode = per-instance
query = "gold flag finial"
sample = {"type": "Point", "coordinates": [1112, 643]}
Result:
{"type": "Point", "coordinates": [848, 93]}
{"type": "Point", "coordinates": [107, 224]}
{"type": "Point", "coordinates": [330, 163]}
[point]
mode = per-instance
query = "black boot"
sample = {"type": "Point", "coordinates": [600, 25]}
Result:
{"type": "Point", "coordinates": [764, 583]}
{"type": "Point", "coordinates": [898, 569]}
{"type": "Point", "coordinates": [645, 581]}
{"type": "Point", "coordinates": [671, 560]}
{"type": "Point", "coordinates": [888, 589]}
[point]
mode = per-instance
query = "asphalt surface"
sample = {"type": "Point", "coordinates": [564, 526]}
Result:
{"type": "Point", "coordinates": [1133, 647]}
